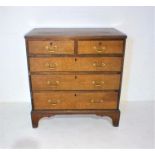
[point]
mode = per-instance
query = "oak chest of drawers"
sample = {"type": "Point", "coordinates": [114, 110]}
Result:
{"type": "Point", "coordinates": [75, 71]}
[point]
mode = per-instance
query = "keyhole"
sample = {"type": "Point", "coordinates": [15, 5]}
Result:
{"type": "Point", "coordinates": [75, 77]}
{"type": "Point", "coordinates": [100, 43]}
{"type": "Point", "coordinates": [75, 59]}
{"type": "Point", "coordinates": [74, 94]}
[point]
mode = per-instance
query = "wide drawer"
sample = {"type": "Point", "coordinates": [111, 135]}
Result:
{"type": "Point", "coordinates": [76, 82]}
{"type": "Point", "coordinates": [75, 100]}
{"type": "Point", "coordinates": [76, 64]}
{"type": "Point", "coordinates": [100, 47]}
{"type": "Point", "coordinates": [50, 47]}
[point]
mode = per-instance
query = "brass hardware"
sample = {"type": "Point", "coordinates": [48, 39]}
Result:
{"type": "Point", "coordinates": [51, 48]}
{"type": "Point", "coordinates": [100, 48]}
{"type": "Point", "coordinates": [97, 64]}
{"type": "Point", "coordinates": [96, 101]}
{"type": "Point", "coordinates": [98, 83]}
{"type": "Point", "coordinates": [53, 102]}
{"type": "Point", "coordinates": [53, 84]}
{"type": "Point", "coordinates": [51, 66]}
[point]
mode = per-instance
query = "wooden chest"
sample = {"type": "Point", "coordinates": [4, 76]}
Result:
{"type": "Point", "coordinates": [75, 71]}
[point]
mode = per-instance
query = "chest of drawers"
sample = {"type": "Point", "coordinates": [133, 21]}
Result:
{"type": "Point", "coordinates": [75, 71]}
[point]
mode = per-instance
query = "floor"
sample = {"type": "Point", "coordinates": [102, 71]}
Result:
{"type": "Point", "coordinates": [77, 131]}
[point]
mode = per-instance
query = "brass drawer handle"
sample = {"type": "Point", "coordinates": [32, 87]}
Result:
{"type": "Point", "coordinates": [51, 66]}
{"type": "Point", "coordinates": [97, 64]}
{"type": "Point", "coordinates": [100, 49]}
{"type": "Point", "coordinates": [53, 102]}
{"type": "Point", "coordinates": [53, 84]}
{"type": "Point", "coordinates": [51, 48]}
{"type": "Point", "coordinates": [98, 83]}
{"type": "Point", "coordinates": [96, 101]}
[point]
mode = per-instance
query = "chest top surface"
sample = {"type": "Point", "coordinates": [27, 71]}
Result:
{"type": "Point", "coordinates": [107, 33]}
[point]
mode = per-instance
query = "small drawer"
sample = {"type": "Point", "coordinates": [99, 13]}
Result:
{"type": "Point", "coordinates": [75, 100]}
{"type": "Point", "coordinates": [50, 47]}
{"type": "Point", "coordinates": [100, 47]}
{"type": "Point", "coordinates": [76, 82]}
{"type": "Point", "coordinates": [76, 64]}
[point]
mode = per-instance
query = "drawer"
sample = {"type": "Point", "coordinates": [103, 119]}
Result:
{"type": "Point", "coordinates": [75, 100]}
{"type": "Point", "coordinates": [100, 47]}
{"type": "Point", "coordinates": [76, 82]}
{"type": "Point", "coordinates": [50, 47]}
{"type": "Point", "coordinates": [76, 64]}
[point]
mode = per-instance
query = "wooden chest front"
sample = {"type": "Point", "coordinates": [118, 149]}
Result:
{"type": "Point", "coordinates": [75, 71]}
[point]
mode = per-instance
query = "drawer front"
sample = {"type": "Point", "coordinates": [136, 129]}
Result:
{"type": "Point", "coordinates": [100, 47]}
{"type": "Point", "coordinates": [76, 82]}
{"type": "Point", "coordinates": [76, 64]}
{"type": "Point", "coordinates": [51, 47]}
{"type": "Point", "coordinates": [73, 100]}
